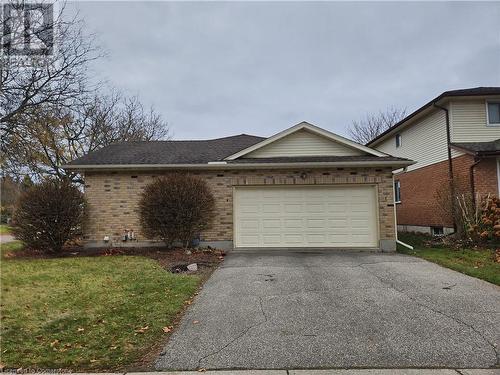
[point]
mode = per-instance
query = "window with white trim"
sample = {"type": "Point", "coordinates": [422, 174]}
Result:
{"type": "Point", "coordinates": [398, 140]}
{"type": "Point", "coordinates": [397, 191]}
{"type": "Point", "coordinates": [493, 113]}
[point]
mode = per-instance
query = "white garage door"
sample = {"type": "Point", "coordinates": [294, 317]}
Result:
{"type": "Point", "coordinates": [305, 216]}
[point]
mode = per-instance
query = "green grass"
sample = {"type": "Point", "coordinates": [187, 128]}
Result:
{"type": "Point", "coordinates": [86, 313]}
{"type": "Point", "coordinates": [476, 263]}
{"type": "Point", "coordinates": [4, 229]}
{"type": "Point", "coordinates": [10, 247]}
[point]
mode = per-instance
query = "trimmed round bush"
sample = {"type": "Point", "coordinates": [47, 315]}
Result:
{"type": "Point", "coordinates": [49, 214]}
{"type": "Point", "coordinates": [176, 208]}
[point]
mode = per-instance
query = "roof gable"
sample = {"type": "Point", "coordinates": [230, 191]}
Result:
{"type": "Point", "coordinates": [304, 143]}
{"type": "Point", "coordinates": [304, 139]}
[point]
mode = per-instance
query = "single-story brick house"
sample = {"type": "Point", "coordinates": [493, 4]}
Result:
{"type": "Point", "coordinates": [303, 187]}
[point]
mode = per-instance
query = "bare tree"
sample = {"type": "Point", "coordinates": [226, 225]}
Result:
{"type": "Point", "coordinates": [55, 75]}
{"type": "Point", "coordinates": [55, 135]}
{"type": "Point", "coordinates": [49, 112]}
{"type": "Point", "coordinates": [372, 125]}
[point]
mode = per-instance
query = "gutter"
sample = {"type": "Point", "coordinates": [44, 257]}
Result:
{"type": "Point", "coordinates": [450, 163]}
{"type": "Point", "coordinates": [219, 165]}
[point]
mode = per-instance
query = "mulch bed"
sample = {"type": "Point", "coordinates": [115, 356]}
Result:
{"type": "Point", "coordinates": [170, 259]}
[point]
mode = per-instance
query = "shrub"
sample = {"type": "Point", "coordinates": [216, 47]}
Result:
{"type": "Point", "coordinates": [482, 220]}
{"type": "Point", "coordinates": [176, 207]}
{"type": "Point", "coordinates": [5, 214]}
{"type": "Point", "coordinates": [49, 214]}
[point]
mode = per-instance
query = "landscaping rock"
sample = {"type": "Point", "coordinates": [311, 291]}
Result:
{"type": "Point", "coordinates": [192, 267]}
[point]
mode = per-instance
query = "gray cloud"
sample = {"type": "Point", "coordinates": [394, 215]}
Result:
{"type": "Point", "coordinates": [217, 69]}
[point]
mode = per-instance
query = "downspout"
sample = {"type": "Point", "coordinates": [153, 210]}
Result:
{"type": "Point", "coordinates": [472, 182]}
{"type": "Point", "coordinates": [396, 221]}
{"type": "Point", "coordinates": [404, 244]}
{"type": "Point", "coordinates": [450, 164]}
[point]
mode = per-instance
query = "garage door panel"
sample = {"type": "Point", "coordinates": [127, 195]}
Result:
{"type": "Point", "coordinates": [251, 224]}
{"type": "Point", "coordinates": [291, 238]}
{"type": "Point", "coordinates": [292, 223]}
{"type": "Point", "coordinates": [305, 216]}
{"type": "Point", "coordinates": [317, 239]}
{"type": "Point", "coordinates": [271, 239]}
{"type": "Point", "coordinates": [338, 223]}
{"type": "Point", "coordinates": [271, 208]}
{"type": "Point", "coordinates": [340, 207]}
{"type": "Point", "coordinates": [315, 208]}
{"type": "Point", "coordinates": [315, 223]}
{"type": "Point", "coordinates": [248, 240]}
{"type": "Point", "coordinates": [249, 208]}
{"type": "Point", "coordinates": [270, 224]}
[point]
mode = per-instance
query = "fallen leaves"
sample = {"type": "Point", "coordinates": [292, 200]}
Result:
{"type": "Point", "coordinates": [167, 329]}
{"type": "Point", "coordinates": [142, 330]}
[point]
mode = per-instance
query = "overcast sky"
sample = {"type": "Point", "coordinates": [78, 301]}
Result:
{"type": "Point", "coordinates": [218, 69]}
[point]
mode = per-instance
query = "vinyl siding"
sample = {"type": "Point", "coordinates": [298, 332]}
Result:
{"type": "Point", "coordinates": [468, 122]}
{"type": "Point", "coordinates": [303, 143]}
{"type": "Point", "coordinates": [424, 141]}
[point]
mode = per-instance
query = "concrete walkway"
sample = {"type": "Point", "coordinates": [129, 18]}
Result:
{"type": "Point", "coordinates": [282, 310]}
{"type": "Point", "coordinates": [4, 238]}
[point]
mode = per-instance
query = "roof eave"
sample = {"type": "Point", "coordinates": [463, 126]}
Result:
{"type": "Point", "coordinates": [476, 153]}
{"type": "Point", "coordinates": [117, 167]}
{"type": "Point", "coordinates": [439, 100]}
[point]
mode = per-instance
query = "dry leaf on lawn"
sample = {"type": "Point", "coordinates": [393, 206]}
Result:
{"type": "Point", "coordinates": [142, 330]}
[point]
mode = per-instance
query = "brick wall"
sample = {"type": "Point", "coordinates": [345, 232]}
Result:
{"type": "Point", "coordinates": [420, 189]}
{"type": "Point", "coordinates": [485, 177]}
{"type": "Point", "coordinates": [113, 196]}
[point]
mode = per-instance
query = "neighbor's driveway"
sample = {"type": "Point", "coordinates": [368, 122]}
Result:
{"type": "Point", "coordinates": [313, 310]}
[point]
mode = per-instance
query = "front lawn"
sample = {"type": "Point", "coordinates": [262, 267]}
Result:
{"type": "Point", "coordinates": [82, 313]}
{"type": "Point", "coordinates": [477, 263]}
{"type": "Point", "coordinates": [10, 247]}
{"type": "Point", "coordinates": [4, 229]}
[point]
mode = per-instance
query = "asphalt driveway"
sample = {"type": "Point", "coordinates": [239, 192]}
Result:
{"type": "Point", "coordinates": [337, 310]}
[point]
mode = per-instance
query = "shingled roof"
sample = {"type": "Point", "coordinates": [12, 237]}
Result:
{"type": "Point", "coordinates": [206, 153]}
{"type": "Point", "coordinates": [168, 152]}
{"type": "Point", "coordinates": [479, 148]}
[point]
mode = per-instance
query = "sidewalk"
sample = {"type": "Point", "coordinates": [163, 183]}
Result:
{"type": "Point", "coordinates": [315, 372]}
{"type": "Point", "coordinates": [335, 372]}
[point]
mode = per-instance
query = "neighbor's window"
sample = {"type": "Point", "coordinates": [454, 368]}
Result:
{"type": "Point", "coordinates": [398, 140]}
{"type": "Point", "coordinates": [437, 231]}
{"type": "Point", "coordinates": [397, 192]}
{"type": "Point", "coordinates": [494, 114]}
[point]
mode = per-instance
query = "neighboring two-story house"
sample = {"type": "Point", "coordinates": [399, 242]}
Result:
{"type": "Point", "coordinates": [454, 136]}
